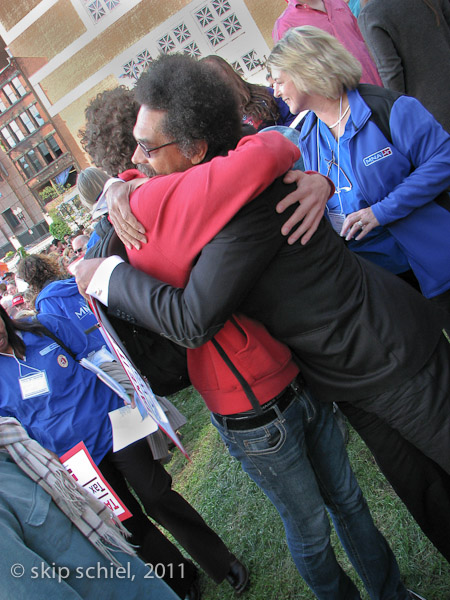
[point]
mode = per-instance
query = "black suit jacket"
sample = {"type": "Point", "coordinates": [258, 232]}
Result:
{"type": "Point", "coordinates": [157, 358]}
{"type": "Point", "coordinates": [355, 329]}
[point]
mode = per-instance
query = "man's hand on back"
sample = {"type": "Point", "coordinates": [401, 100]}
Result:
{"type": "Point", "coordinates": [312, 193]}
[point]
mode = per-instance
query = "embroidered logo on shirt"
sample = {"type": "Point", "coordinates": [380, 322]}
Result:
{"type": "Point", "coordinates": [84, 310]}
{"type": "Point", "coordinates": [62, 361]}
{"type": "Point", "coordinates": [48, 349]}
{"type": "Point", "coordinates": [376, 156]}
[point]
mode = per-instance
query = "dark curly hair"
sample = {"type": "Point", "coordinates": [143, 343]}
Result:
{"type": "Point", "coordinates": [255, 100]}
{"type": "Point", "coordinates": [108, 135]}
{"type": "Point", "coordinates": [38, 270]}
{"type": "Point", "coordinates": [198, 104]}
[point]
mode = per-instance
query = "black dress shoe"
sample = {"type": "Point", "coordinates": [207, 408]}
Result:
{"type": "Point", "coordinates": [237, 576]}
{"type": "Point", "coordinates": [193, 592]}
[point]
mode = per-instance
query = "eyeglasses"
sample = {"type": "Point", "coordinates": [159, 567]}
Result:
{"type": "Point", "coordinates": [78, 251]}
{"type": "Point", "coordinates": [339, 188]}
{"type": "Point", "coordinates": [148, 151]}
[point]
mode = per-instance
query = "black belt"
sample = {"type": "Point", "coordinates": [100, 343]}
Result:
{"type": "Point", "coordinates": [251, 420]}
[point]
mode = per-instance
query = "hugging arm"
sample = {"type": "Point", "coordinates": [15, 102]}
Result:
{"type": "Point", "coordinates": [226, 270]}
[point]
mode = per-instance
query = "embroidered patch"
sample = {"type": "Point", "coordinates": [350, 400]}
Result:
{"type": "Point", "coordinates": [376, 156]}
{"type": "Point", "coordinates": [62, 361]}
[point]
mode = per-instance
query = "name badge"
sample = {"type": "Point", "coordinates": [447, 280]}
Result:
{"type": "Point", "coordinates": [34, 385]}
{"type": "Point", "coordinates": [337, 220]}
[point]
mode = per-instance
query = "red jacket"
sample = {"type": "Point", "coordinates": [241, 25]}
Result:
{"type": "Point", "coordinates": [179, 223]}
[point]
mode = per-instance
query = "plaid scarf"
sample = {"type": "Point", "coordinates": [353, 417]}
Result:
{"type": "Point", "coordinates": [89, 515]}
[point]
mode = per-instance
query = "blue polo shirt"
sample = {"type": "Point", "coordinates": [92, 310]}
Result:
{"type": "Point", "coordinates": [75, 407]}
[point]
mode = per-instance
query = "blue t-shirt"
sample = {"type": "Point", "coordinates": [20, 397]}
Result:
{"type": "Point", "coordinates": [75, 407]}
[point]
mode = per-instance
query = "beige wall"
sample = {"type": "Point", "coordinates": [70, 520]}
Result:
{"type": "Point", "coordinates": [61, 25]}
{"type": "Point", "coordinates": [50, 34]}
{"type": "Point", "coordinates": [12, 11]}
{"type": "Point", "coordinates": [118, 37]}
{"type": "Point", "coordinates": [265, 13]}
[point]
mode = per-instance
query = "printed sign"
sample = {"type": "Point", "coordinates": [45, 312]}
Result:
{"type": "Point", "coordinates": [79, 464]}
{"type": "Point", "coordinates": [143, 391]}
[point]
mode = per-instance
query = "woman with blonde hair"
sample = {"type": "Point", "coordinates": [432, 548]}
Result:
{"type": "Point", "coordinates": [388, 159]}
{"type": "Point", "coordinates": [386, 154]}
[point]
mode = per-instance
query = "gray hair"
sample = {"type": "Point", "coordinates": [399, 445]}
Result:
{"type": "Point", "coordinates": [316, 62]}
{"type": "Point", "coordinates": [90, 184]}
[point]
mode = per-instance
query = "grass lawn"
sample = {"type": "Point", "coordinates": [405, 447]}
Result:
{"type": "Point", "coordinates": [235, 507]}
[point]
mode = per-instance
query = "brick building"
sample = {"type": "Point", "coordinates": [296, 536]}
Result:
{"type": "Point", "coordinates": [32, 156]}
{"type": "Point", "coordinates": [63, 52]}
{"type": "Point", "coordinates": [72, 49]}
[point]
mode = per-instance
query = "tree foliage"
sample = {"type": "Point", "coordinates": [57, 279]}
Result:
{"type": "Point", "coordinates": [59, 228]}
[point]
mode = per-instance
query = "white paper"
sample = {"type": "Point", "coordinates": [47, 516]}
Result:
{"type": "Point", "coordinates": [128, 426]}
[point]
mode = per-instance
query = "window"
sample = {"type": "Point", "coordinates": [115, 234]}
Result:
{"type": "Point", "coordinates": [27, 122]}
{"type": "Point", "coordinates": [26, 167]}
{"type": "Point", "coordinates": [10, 93]}
{"type": "Point", "coordinates": [54, 146]}
{"type": "Point", "coordinates": [97, 9]}
{"type": "Point", "coordinates": [16, 130]}
{"type": "Point", "coordinates": [18, 86]}
{"type": "Point", "coordinates": [45, 152]}
{"type": "Point", "coordinates": [10, 218]}
{"type": "Point", "coordinates": [3, 106]}
{"type": "Point", "coordinates": [9, 139]}
{"type": "Point", "coordinates": [36, 116]}
{"type": "Point", "coordinates": [34, 161]}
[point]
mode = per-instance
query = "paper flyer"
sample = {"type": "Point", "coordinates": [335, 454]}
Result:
{"type": "Point", "coordinates": [128, 426]}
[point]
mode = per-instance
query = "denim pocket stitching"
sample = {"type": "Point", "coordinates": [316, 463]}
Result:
{"type": "Point", "coordinates": [281, 430]}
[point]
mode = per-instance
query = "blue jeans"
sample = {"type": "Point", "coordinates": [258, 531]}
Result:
{"type": "Point", "coordinates": [300, 462]}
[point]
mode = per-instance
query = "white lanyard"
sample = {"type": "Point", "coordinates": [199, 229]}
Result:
{"type": "Point", "coordinates": [298, 118]}
{"type": "Point", "coordinates": [31, 385]}
{"type": "Point", "coordinates": [336, 218]}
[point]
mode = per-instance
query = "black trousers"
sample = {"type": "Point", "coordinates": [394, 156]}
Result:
{"type": "Point", "coordinates": [153, 547]}
{"type": "Point", "coordinates": [421, 484]}
{"type": "Point", "coordinates": [408, 432]}
{"type": "Point", "coordinates": [153, 486]}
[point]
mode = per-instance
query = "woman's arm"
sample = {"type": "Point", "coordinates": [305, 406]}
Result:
{"type": "Point", "coordinates": [422, 140]}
